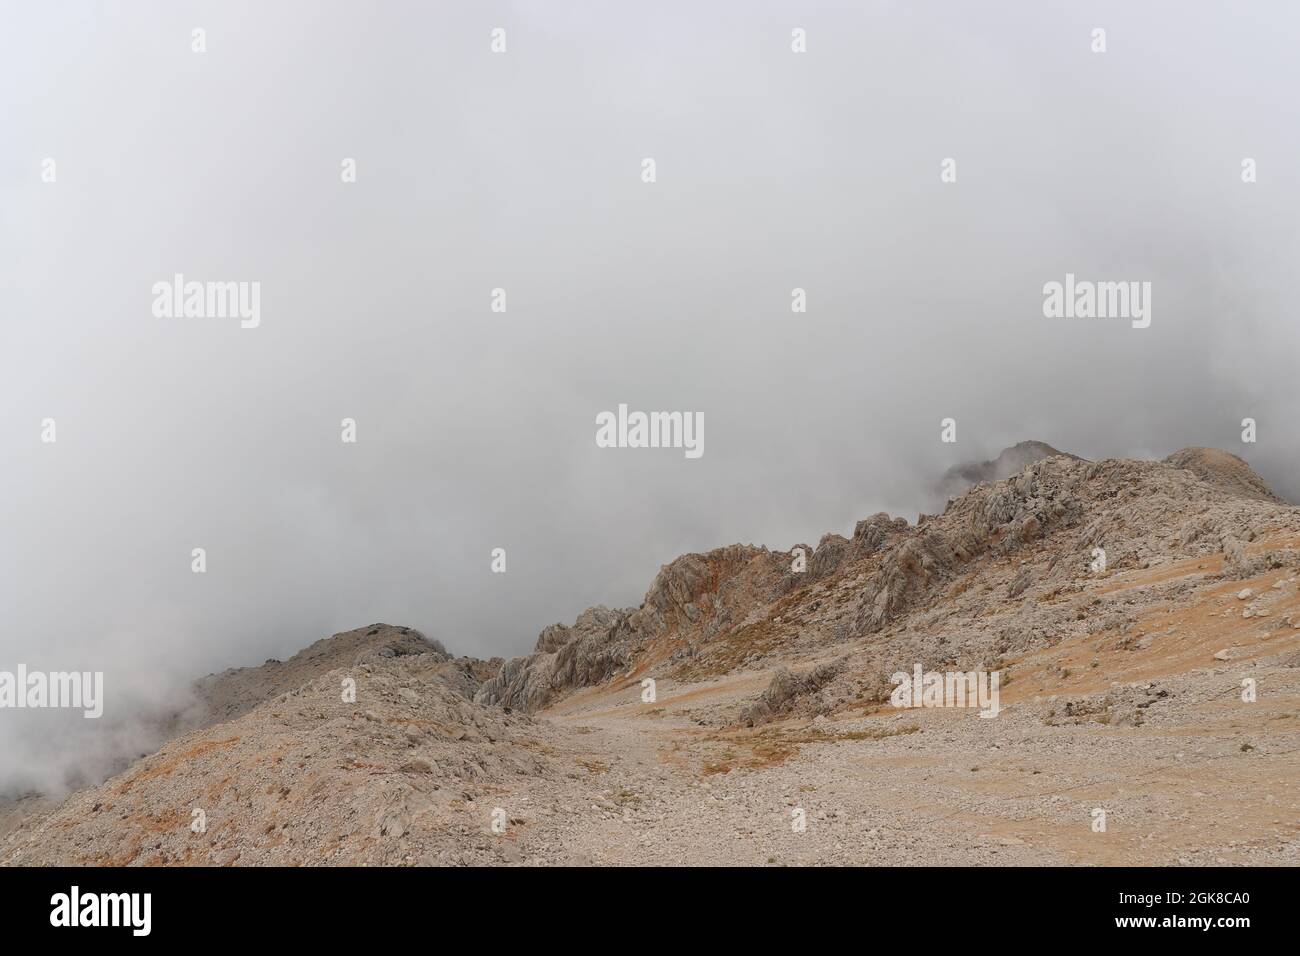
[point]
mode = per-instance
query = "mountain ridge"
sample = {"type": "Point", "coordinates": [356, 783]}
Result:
{"type": "Point", "coordinates": [763, 673]}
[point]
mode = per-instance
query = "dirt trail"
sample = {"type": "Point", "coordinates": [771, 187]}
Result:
{"type": "Point", "coordinates": [956, 789]}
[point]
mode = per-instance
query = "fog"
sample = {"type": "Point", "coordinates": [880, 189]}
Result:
{"type": "Point", "coordinates": [522, 171]}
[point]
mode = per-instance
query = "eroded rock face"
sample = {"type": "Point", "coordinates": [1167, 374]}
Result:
{"type": "Point", "coordinates": [831, 552]}
{"type": "Point", "coordinates": [599, 644]}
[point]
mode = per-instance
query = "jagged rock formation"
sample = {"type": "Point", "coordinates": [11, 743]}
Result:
{"type": "Point", "coordinates": [599, 644]}
{"type": "Point", "coordinates": [714, 612]}
{"type": "Point", "coordinates": [697, 594]}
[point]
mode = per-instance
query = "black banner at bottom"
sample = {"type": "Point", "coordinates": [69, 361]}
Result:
{"type": "Point", "coordinates": [336, 905]}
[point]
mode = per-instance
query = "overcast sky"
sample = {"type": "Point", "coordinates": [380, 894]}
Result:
{"type": "Point", "coordinates": [523, 171]}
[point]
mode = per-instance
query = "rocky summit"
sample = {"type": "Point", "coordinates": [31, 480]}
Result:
{"type": "Point", "coordinates": [1139, 620]}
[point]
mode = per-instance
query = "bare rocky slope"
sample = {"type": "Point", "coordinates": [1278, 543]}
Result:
{"type": "Point", "coordinates": [963, 588]}
{"type": "Point", "coordinates": [1128, 606]}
